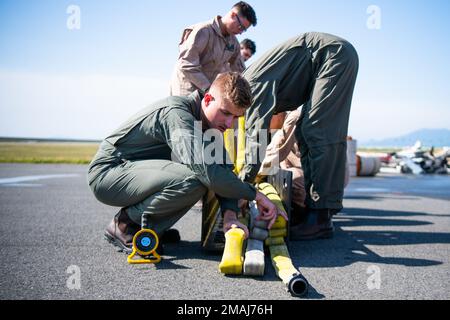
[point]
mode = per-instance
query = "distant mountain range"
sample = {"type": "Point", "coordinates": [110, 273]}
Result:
{"type": "Point", "coordinates": [428, 137]}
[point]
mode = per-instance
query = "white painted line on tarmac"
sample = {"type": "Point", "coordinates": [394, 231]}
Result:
{"type": "Point", "coordinates": [18, 181]}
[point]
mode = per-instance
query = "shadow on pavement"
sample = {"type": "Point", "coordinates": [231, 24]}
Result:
{"type": "Point", "coordinates": [185, 250]}
{"type": "Point", "coordinates": [378, 197]}
{"type": "Point", "coordinates": [350, 246]}
{"type": "Point", "coordinates": [192, 250]}
{"type": "Point", "coordinates": [361, 222]}
{"type": "Point", "coordinates": [346, 248]}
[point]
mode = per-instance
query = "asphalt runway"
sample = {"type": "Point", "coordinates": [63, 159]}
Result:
{"type": "Point", "coordinates": [392, 242]}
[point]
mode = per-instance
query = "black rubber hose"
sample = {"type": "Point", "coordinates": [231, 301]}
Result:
{"type": "Point", "coordinates": [298, 285]}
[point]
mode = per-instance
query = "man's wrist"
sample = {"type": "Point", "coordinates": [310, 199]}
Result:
{"type": "Point", "coordinates": [229, 215]}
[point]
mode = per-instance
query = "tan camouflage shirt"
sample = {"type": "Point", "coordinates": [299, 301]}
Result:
{"type": "Point", "coordinates": [204, 53]}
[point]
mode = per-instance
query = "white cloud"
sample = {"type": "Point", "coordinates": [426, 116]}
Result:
{"type": "Point", "coordinates": [79, 106]}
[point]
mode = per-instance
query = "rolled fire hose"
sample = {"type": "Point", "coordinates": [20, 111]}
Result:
{"type": "Point", "coordinates": [258, 228]}
{"type": "Point", "coordinates": [254, 256]}
{"type": "Point", "coordinates": [296, 283]}
{"type": "Point", "coordinates": [232, 260]}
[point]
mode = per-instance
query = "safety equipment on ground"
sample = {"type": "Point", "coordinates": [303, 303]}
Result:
{"type": "Point", "coordinates": [145, 243]}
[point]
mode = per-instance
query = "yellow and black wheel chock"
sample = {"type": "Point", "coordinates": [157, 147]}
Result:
{"type": "Point", "coordinates": [145, 243]}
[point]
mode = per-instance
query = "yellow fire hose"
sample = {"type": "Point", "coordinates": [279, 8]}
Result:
{"type": "Point", "coordinates": [296, 283]}
{"type": "Point", "coordinates": [232, 260]}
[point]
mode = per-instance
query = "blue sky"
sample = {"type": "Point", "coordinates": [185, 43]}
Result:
{"type": "Point", "coordinates": [57, 82]}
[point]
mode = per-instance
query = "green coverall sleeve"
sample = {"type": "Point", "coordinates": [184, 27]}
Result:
{"type": "Point", "coordinates": [257, 127]}
{"type": "Point", "coordinates": [185, 139]}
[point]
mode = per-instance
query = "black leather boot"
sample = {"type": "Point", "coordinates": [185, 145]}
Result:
{"type": "Point", "coordinates": [121, 230]}
{"type": "Point", "coordinates": [318, 225]}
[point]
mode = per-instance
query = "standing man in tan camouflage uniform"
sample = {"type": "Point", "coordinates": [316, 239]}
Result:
{"type": "Point", "coordinates": [209, 48]}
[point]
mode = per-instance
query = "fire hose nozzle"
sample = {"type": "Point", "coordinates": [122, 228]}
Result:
{"type": "Point", "coordinates": [298, 285]}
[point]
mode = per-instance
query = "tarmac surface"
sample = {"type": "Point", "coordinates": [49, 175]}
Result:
{"type": "Point", "coordinates": [392, 241]}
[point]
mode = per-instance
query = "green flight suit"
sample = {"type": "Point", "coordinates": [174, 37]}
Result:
{"type": "Point", "coordinates": [133, 167]}
{"type": "Point", "coordinates": [318, 71]}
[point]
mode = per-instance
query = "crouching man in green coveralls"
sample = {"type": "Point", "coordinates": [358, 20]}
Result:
{"type": "Point", "coordinates": [134, 167]}
{"type": "Point", "coordinates": [318, 71]}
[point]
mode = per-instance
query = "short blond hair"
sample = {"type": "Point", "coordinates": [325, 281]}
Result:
{"type": "Point", "coordinates": [234, 88]}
